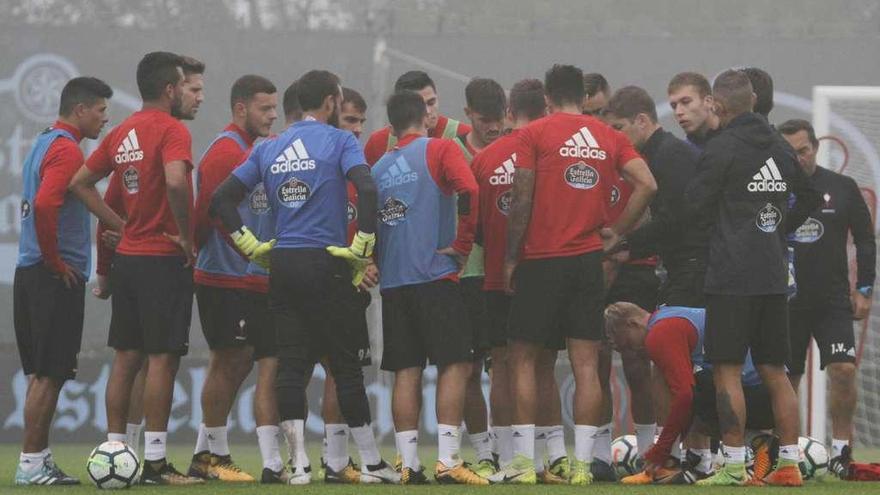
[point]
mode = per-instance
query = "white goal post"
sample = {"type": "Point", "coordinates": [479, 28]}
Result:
{"type": "Point", "coordinates": [852, 115]}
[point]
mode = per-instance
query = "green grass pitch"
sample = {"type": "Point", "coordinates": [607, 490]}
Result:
{"type": "Point", "coordinates": [72, 458]}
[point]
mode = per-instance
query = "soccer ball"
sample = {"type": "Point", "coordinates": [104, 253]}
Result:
{"type": "Point", "coordinates": [624, 455]}
{"type": "Point", "coordinates": [112, 465]}
{"type": "Point", "coordinates": [814, 458]}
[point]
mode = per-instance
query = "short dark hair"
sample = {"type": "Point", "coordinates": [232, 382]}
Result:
{"type": "Point", "coordinates": [414, 80]}
{"type": "Point", "coordinates": [191, 66]}
{"type": "Point", "coordinates": [156, 71]}
{"type": "Point", "coordinates": [527, 99]}
{"type": "Point", "coordinates": [351, 96]}
{"type": "Point", "coordinates": [734, 90]}
{"type": "Point", "coordinates": [486, 96]}
{"type": "Point", "coordinates": [694, 79]}
{"type": "Point", "coordinates": [564, 84]}
{"type": "Point", "coordinates": [314, 86]}
{"type": "Point", "coordinates": [595, 83]}
{"type": "Point", "coordinates": [247, 86]}
{"type": "Point", "coordinates": [794, 126]}
{"type": "Point", "coordinates": [290, 103]}
{"type": "Point", "coordinates": [630, 101]}
{"type": "Point", "coordinates": [406, 109]}
{"type": "Point", "coordinates": [85, 90]}
{"type": "Point", "coordinates": [762, 84]}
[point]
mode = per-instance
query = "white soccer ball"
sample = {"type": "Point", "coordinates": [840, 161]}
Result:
{"type": "Point", "coordinates": [624, 455]}
{"type": "Point", "coordinates": [814, 458]}
{"type": "Point", "coordinates": [113, 465]}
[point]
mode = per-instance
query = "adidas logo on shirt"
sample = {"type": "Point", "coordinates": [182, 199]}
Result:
{"type": "Point", "coordinates": [398, 173]}
{"type": "Point", "coordinates": [503, 175]}
{"type": "Point", "coordinates": [582, 145]}
{"type": "Point", "coordinates": [129, 150]}
{"type": "Point", "coordinates": [768, 179]}
{"type": "Point", "coordinates": [295, 158]}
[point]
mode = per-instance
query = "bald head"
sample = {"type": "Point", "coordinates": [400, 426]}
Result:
{"type": "Point", "coordinates": [733, 94]}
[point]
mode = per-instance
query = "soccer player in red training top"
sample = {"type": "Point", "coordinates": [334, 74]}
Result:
{"type": "Point", "coordinates": [335, 460]}
{"type": "Point", "coordinates": [744, 179]}
{"type": "Point", "coordinates": [232, 296]}
{"type": "Point", "coordinates": [152, 268]}
{"type": "Point", "coordinates": [420, 253]}
{"type": "Point", "coordinates": [486, 105]}
{"type": "Point", "coordinates": [690, 96]}
{"type": "Point", "coordinates": [554, 248]}
{"type": "Point", "coordinates": [493, 169]}
{"type": "Point", "coordinates": [54, 259]}
{"type": "Point", "coordinates": [439, 126]}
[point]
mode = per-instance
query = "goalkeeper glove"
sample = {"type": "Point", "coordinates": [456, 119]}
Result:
{"type": "Point", "coordinates": [256, 250]}
{"type": "Point", "coordinates": [357, 255]}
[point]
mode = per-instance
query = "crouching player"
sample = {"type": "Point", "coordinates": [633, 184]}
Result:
{"type": "Point", "coordinates": [672, 337]}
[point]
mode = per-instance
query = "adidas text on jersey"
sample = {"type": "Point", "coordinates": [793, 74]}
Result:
{"type": "Point", "coordinates": [295, 158]}
{"type": "Point", "coordinates": [129, 150]}
{"type": "Point", "coordinates": [399, 173]}
{"type": "Point", "coordinates": [582, 144]}
{"type": "Point", "coordinates": [503, 175]}
{"type": "Point", "coordinates": [768, 179]}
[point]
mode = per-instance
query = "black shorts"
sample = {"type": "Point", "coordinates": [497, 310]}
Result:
{"type": "Point", "coordinates": [736, 324]}
{"type": "Point", "coordinates": [637, 284]}
{"type": "Point", "coordinates": [684, 285]}
{"type": "Point", "coordinates": [475, 302]}
{"type": "Point", "coordinates": [558, 298]}
{"type": "Point", "coordinates": [425, 322]}
{"type": "Point", "coordinates": [236, 318]}
{"type": "Point", "coordinates": [316, 311]}
{"type": "Point", "coordinates": [830, 324]}
{"type": "Point", "coordinates": [759, 408]}
{"type": "Point", "coordinates": [498, 306]}
{"type": "Point", "coordinates": [48, 319]}
{"type": "Point", "coordinates": [152, 304]}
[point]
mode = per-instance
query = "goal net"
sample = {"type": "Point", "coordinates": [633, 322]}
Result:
{"type": "Point", "coordinates": [847, 121]}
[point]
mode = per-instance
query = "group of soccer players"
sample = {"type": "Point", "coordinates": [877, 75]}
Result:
{"type": "Point", "coordinates": [561, 217]}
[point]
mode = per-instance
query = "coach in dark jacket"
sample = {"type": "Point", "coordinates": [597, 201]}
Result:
{"type": "Point", "coordinates": [680, 243]}
{"type": "Point", "coordinates": [744, 179]}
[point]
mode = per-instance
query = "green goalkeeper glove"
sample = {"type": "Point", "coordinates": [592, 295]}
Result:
{"type": "Point", "coordinates": [256, 250]}
{"type": "Point", "coordinates": [357, 255]}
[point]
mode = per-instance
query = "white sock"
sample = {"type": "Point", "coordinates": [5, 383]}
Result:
{"type": "Point", "coordinates": [837, 447]}
{"type": "Point", "coordinates": [705, 465]}
{"type": "Point", "coordinates": [201, 441]}
{"type": "Point", "coordinates": [645, 436]}
{"type": "Point", "coordinates": [449, 444]}
{"type": "Point", "coordinates": [408, 447]}
{"type": "Point", "coordinates": [482, 443]}
{"type": "Point", "coordinates": [737, 455]}
{"type": "Point", "coordinates": [675, 451]}
{"type": "Point", "coordinates": [540, 448]}
{"type": "Point", "coordinates": [504, 443]}
{"type": "Point", "coordinates": [154, 445]}
{"type": "Point", "coordinates": [30, 461]}
{"type": "Point", "coordinates": [366, 444]}
{"type": "Point", "coordinates": [294, 433]}
{"type": "Point", "coordinates": [602, 447]}
{"type": "Point", "coordinates": [133, 435]}
{"type": "Point", "coordinates": [116, 437]}
{"type": "Point", "coordinates": [270, 451]}
{"type": "Point", "coordinates": [218, 442]}
{"type": "Point", "coordinates": [555, 443]}
{"type": "Point", "coordinates": [336, 445]}
{"type": "Point", "coordinates": [523, 440]}
{"type": "Point", "coordinates": [787, 452]}
{"type": "Point", "coordinates": [584, 438]}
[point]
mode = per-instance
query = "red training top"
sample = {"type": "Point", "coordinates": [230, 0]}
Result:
{"type": "Point", "coordinates": [377, 144]}
{"type": "Point", "coordinates": [493, 168]}
{"type": "Point", "coordinates": [60, 163]}
{"type": "Point", "coordinates": [669, 344]}
{"type": "Point", "coordinates": [113, 198]}
{"type": "Point", "coordinates": [138, 149]}
{"type": "Point", "coordinates": [573, 157]}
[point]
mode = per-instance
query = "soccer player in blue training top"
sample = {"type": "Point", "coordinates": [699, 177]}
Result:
{"type": "Point", "coordinates": [312, 295]}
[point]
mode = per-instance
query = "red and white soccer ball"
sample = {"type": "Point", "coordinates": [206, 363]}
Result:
{"type": "Point", "coordinates": [624, 455]}
{"type": "Point", "coordinates": [113, 465]}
